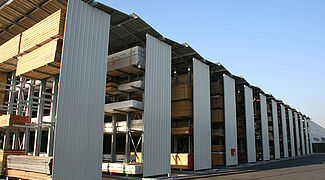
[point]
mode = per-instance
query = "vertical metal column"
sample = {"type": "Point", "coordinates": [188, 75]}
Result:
{"type": "Point", "coordinates": [12, 93]}
{"type": "Point", "coordinates": [113, 141]}
{"type": "Point", "coordinates": [265, 128]}
{"type": "Point", "coordinates": [127, 135]}
{"type": "Point", "coordinates": [302, 135]}
{"type": "Point", "coordinates": [298, 148]}
{"type": "Point", "coordinates": [54, 99]}
{"type": "Point", "coordinates": [284, 132]}
{"type": "Point", "coordinates": [292, 138]}
{"type": "Point", "coordinates": [6, 142]}
{"type": "Point", "coordinates": [40, 113]}
{"type": "Point", "coordinates": [275, 130]}
{"type": "Point", "coordinates": [15, 140]}
{"type": "Point", "coordinates": [29, 114]}
{"type": "Point", "coordinates": [306, 137]}
{"type": "Point", "coordinates": [250, 125]}
{"type": "Point", "coordinates": [20, 97]}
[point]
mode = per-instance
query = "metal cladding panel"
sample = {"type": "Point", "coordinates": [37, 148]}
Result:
{"type": "Point", "coordinates": [250, 125]}
{"type": "Point", "coordinates": [78, 146]}
{"type": "Point", "coordinates": [306, 137]}
{"type": "Point", "coordinates": [309, 140]}
{"type": "Point", "coordinates": [201, 115]}
{"type": "Point", "coordinates": [302, 136]}
{"type": "Point", "coordinates": [265, 129]}
{"type": "Point", "coordinates": [297, 134]}
{"type": "Point", "coordinates": [275, 130]}
{"type": "Point", "coordinates": [284, 132]}
{"type": "Point", "coordinates": [157, 108]}
{"type": "Point", "coordinates": [292, 138]}
{"type": "Point", "coordinates": [230, 120]}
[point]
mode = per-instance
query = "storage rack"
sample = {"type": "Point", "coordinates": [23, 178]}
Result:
{"type": "Point", "coordinates": [279, 103]}
{"type": "Point", "coordinates": [270, 125]}
{"type": "Point", "coordinates": [258, 123]}
{"type": "Point", "coordinates": [287, 107]}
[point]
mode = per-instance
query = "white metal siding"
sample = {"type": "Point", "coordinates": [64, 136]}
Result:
{"type": "Point", "coordinates": [292, 138]}
{"type": "Point", "coordinates": [306, 137]}
{"type": "Point", "coordinates": [157, 108]}
{"type": "Point", "coordinates": [79, 132]}
{"type": "Point", "coordinates": [284, 132]}
{"type": "Point", "coordinates": [201, 115]}
{"type": "Point", "coordinates": [297, 134]}
{"type": "Point", "coordinates": [302, 136]}
{"type": "Point", "coordinates": [250, 125]}
{"type": "Point", "coordinates": [275, 130]}
{"type": "Point", "coordinates": [230, 120]}
{"type": "Point", "coordinates": [265, 128]}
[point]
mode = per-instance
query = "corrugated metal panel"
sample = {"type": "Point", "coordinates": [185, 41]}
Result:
{"type": "Point", "coordinates": [79, 132]}
{"type": "Point", "coordinates": [309, 140]}
{"type": "Point", "coordinates": [265, 128]}
{"type": "Point", "coordinates": [201, 115]}
{"type": "Point", "coordinates": [302, 136]}
{"type": "Point", "coordinates": [297, 134]}
{"type": "Point", "coordinates": [306, 137]}
{"type": "Point", "coordinates": [230, 120]}
{"type": "Point", "coordinates": [157, 108]}
{"type": "Point", "coordinates": [284, 132]}
{"type": "Point", "coordinates": [292, 138]}
{"type": "Point", "coordinates": [275, 130]}
{"type": "Point", "coordinates": [250, 125]}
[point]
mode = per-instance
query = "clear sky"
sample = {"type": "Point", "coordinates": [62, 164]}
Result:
{"type": "Point", "coordinates": [278, 45]}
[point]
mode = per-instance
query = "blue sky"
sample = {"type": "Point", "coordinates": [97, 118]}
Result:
{"type": "Point", "coordinates": [278, 45]}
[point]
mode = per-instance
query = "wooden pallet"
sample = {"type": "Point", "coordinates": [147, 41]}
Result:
{"type": "Point", "coordinates": [41, 63]}
{"type": "Point", "coordinates": [3, 158]}
{"type": "Point", "coordinates": [10, 120]}
{"type": "Point", "coordinates": [43, 32]}
{"type": "Point", "coordinates": [27, 175]}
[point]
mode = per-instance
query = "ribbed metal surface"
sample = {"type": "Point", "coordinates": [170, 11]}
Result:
{"type": "Point", "coordinates": [297, 134]}
{"type": "Point", "coordinates": [284, 132]}
{"type": "Point", "coordinates": [250, 125]}
{"type": "Point", "coordinates": [201, 115]}
{"type": "Point", "coordinates": [292, 138]}
{"type": "Point", "coordinates": [265, 128]}
{"type": "Point", "coordinates": [303, 148]}
{"type": "Point", "coordinates": [309, 140]}
{"type": "Point", "coordinates": [275, 130]}
{"type": "Point", "coordinates": [80, 116]}
{"type": "Point", "coordinates": [306, 137]}
{"type": "Point", "coordinates": [230, 120]}
{"type": "Point", "coordinates": [157, 108]}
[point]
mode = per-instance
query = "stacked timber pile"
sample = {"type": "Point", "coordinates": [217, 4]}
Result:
{"type": "Point", "coordinates": [3, 158]}
{"type": "Point", "coordinates": [241, 126]}
{"type": "Point", "coordinates": [270, 128]}
{"type": "Point", "coordinates": [258, 128]}
{"type": "Point", "coordinates": [29, 167]}
{"type": "Point", "coordinates": [288, 131]}
{"type": "Point", "coordinates": [9, 53]}
{"type": "Point", "coordinates": [10, 120]}
{"type": "Point", "coordinates": [217, 122]}
{"type": "Point", "coordinates": [182, 122]}
{"type": "Point", "coordinates": [40, 47]}
{"type": "Point", "coordinates": [280, 130]}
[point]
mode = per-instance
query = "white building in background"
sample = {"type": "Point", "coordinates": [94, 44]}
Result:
{"type": "Point", "coordinates": [317, 132]}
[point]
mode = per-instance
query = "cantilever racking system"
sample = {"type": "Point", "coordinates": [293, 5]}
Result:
{"type": "Point", "coordinates": [86, 89]}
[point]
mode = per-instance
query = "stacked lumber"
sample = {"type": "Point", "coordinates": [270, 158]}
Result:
{"type": "Point", "coordinates": [36, 164]}
{"type": "Point", "coordinates": [182, 130]}
{"type": "Point", "coordinates": [217, 148]}
{"type": "Point", "coordinates": [9, 53]}
{"type": "Point", "coordinates": [126, 61]}
{"type": "Point", "coordinates": [217, 115]}
{"type": "Point", "coordinates": [218, 132]}
{"type": "Point", "coordinates": [3, 158]}
{"type": "Point", "coordinates": [182, 109]}
{"type": "Point", "coordinates": [135, 125]}
{"type": "Point", "coordinates": [241, 128]}
{"type": "Point", "coordinates": [45, 59]}
{"type": "Point", "coordinates": [270, 128]}
{"type": "Point", "coordinates": [3, 79]}
{"type": "Point", "coordinates": [10, 120]}
{"type": "Point", "coordinates": [122, 168]}
{"type": "Point", "coordinates": [43, 32]}
{"type": "Point", "coordinates": [113, 88]}
{"type": "Point", "coordinates": [182, 79]}
{"type": "Point", "coordinates": [181, 161]}
{"type": "Point", "coordinates": [218, 158]}
{"type": "Point", "coordinates": [217, 102]}
{"type": "Point", "coordinates": [27, 175]}
{"type": "Point", "coordinates": [182, 92]}
{"type": "Point", "coordinates": [124, 106]}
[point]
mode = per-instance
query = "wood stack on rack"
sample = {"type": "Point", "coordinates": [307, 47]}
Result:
{"type": "Point", "coordinates": [270, 128]}
{"type": "Point", "coordinates": [29, 167]}
{"type": "Point", "coordinates": [182, 122]}
{"type": "Point", "coordinates": [40, 47]}
{"type": "Point", "coordinates": [217, 121]}
{"type": "Point", "coordinates": [258, 128]}
{"type": "Point", "coordinates": [288, 131]}
{"type": "Point", "coordinates": [3, 158]}
{"type": "Point", "coordinates": [9, 120]}
{"type": "Point", "coordinates": [241, 125]}
{"type": "Point", "coordinates": [9, 53]}
{"type": "Point", "coordinates": [280, 129]}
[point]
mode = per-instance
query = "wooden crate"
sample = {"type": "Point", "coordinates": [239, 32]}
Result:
{"type": "Point", "coordinates": [217, 102]}
{"type": "Point", "coordinates": [217, 148]}
{"type": "Point", "coordinates": [43, 32]}
{"type": "Point", "coordinates": [182, 92]}
{"type": "Point", "coordinates": [182, 130]}
{"type": "Point", "coordinates": [218, 158]}
{"type": "Point", "coordinates": [9, 53]}
{"type": "Point", "coordinates": [217, 115]}
{"type": "Point", "coordinates": [42, 59]}
{"type": "Point", "coordinates": [20, 174]}
{"type": "Point", "coordinates": [10, 119]}
{"type": "Point", "coordinates": [3, 158]}
{"type": "Point", "coordinates": [182, 109]}
{"type": "Point", "coordinates": [181, 161]}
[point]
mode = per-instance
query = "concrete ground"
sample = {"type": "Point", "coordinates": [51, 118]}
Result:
{"type": "Point", "coordinates": [308, 167]}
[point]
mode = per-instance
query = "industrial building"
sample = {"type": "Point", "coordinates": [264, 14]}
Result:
{"type": "Point", "coordinates": [87, 89]}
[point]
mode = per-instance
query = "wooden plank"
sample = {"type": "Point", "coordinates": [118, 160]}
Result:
{"type": "Point", "coordinates": [181, 161]}
{"type": "Point", "coordinates": [217, 102]}
{"type": "Point", "coordinates": [3, 158]}
{"type": "Point", "coordinates": [182, 92]}
{"type": "Point", "coordinates": [27, 175]}
{"type": "Point", "coordinates": [217, 115]}
{"type": "Point", "coordinates": [30, 163]}
{"type": "Point", "coordinates": [218, 148]}
{"type": "Point", "coordinates": [182, 109]}
{"type": "Point", "coordinates": [43, 32]}
{"type": "Point", "coordinates": [182, 130]}
{"type": "Point", "coordinates": [10, 120]}
{"type": "Point", "coordinates": [9, 52]}
{"type": "Point", "coordinates": [50, 53]}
